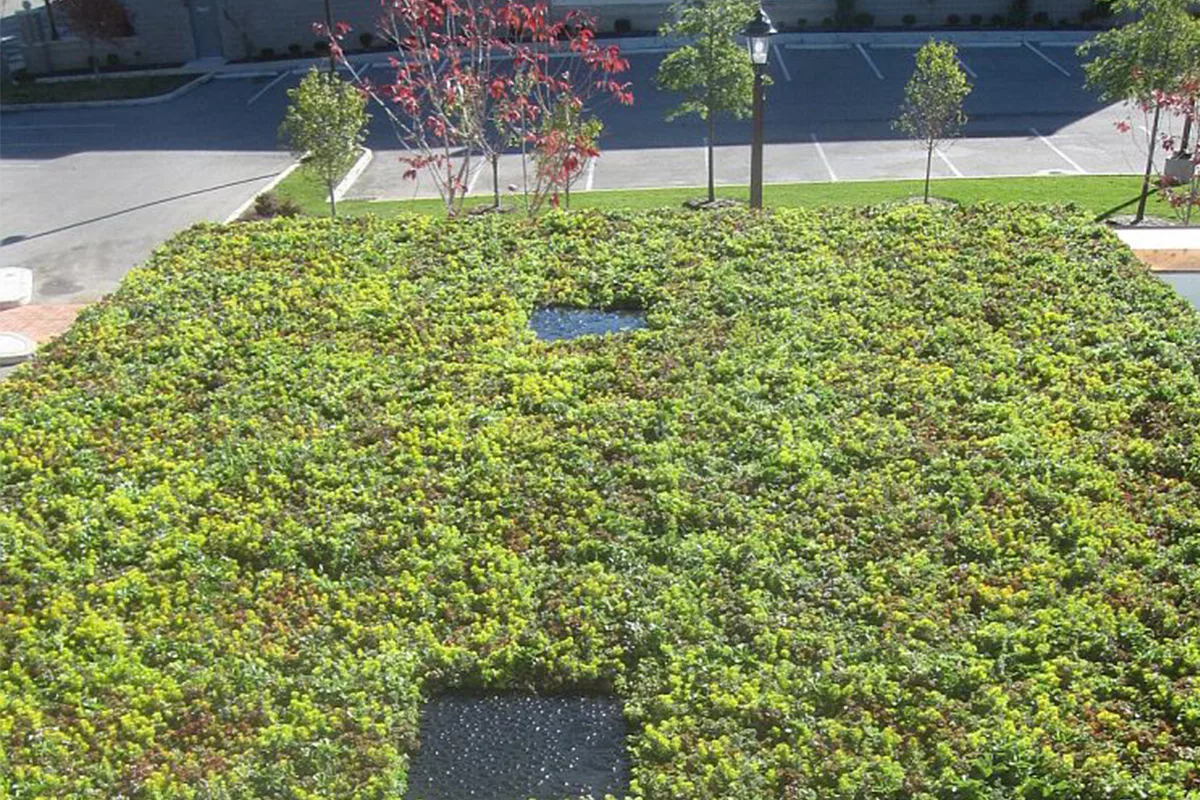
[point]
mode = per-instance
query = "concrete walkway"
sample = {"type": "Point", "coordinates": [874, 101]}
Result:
{"type": "Point", "coordinates": [1165, 249]}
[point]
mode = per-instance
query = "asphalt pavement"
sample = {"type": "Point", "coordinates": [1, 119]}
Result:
{"type": "Point", "coordinates": [87, 194]}
{"type": "Point", "coordinates": [829, 115]}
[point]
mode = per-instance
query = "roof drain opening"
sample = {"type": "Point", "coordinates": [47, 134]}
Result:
{"type": "Point", "coordinates": [519, 746]}
{"type": "Point", "coordinates": [554, 323]}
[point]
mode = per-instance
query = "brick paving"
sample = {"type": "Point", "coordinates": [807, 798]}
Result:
{"type": "Point", "coordinates": [1170, 260]}
{"type": "Point", "coordinates": [39, 322]}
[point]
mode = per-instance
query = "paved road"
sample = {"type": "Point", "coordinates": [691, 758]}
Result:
{"type": "Point", "coordinates": [86, 194]}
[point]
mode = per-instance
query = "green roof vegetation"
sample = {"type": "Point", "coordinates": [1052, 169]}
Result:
{"type": "Point", "coordinates": [901, 502]}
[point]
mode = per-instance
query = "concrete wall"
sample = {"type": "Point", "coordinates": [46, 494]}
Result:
{"type": "Point", "coordinates": [163, 35]}
{"type": "Point", "coordinates": [248, 26]}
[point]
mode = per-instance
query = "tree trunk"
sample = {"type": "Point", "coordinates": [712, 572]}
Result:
{"type": "Point", "coordinates": [712, 195]}
{"type": "Point", "coordinates": [95, 61]}
{"type": "Point", "coordinates": [1141, 209]}
{"type": "Point", "coordinates": [1186, 138]}
{"type": "Point", "coordinates": [332, 200]}
{"type": "Point", "coordinates": [496, 179]}
{"type": "Point", "coordinates": [928, 169]}
{"type": "Point", "coordinates": [52, 21]}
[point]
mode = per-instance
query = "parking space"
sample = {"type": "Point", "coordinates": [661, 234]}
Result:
{"type": "Point", "coordinates": [881, 161]}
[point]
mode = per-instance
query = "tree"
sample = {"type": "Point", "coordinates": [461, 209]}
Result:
{"type": "Point", "coordinates": [474, 78]}
{"type": "Point", "coordinates": [1154, 53]}
{"type": "Point", "coordinates": [932, 109]}
{"type": "Point", "coordinates": [96, 21]}
{"type": "Point", "coordinates": [1178, 183]}
{"type": "Point", "coordinates": [325, 124]}
{"type": "Point", "coordinates": [713, 73]}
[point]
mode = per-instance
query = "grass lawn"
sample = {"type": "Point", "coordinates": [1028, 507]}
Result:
{"type": "Point", "coordinates": [87, 89]}
{"type": "Point", "coordinates": [898, 503]}
{"type": "Point", "coordinates": [1097, 194]}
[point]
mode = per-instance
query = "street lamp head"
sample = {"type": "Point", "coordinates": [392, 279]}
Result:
{"type": "Point", "coordinates": [757, 32]}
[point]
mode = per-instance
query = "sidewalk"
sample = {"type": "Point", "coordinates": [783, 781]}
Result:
{"type": "Point", "coordinates": [1165, 249]}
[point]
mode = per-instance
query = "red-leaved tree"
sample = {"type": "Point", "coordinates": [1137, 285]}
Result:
{"type": "Point", "coordinates": [1176, 131]}
{"type": "Point", "coordinates": [474, 79]}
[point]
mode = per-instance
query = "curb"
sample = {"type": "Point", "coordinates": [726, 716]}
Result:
{"type": "Point", "coordinates": [133, 101]}
{"type": "Point", "coordinates": [354, 174]}
{"type": "Point", "coordinates": [1176, 238]}
{"type": "Point", "coordinates": [278, 179]}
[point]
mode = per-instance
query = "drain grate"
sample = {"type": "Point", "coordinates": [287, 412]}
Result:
{"type": "Point", "coordinates": [517, 747]}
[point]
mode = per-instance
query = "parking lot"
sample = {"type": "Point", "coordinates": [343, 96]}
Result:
{"type": "Point", "coordinates": [85, 194]}
{"type": "Point", "coordinates": [828, 118]}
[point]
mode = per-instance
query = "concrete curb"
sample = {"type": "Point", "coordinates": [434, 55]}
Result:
{"type": "Point", "coordinates": [133, 101]}
{"type": "Point", "coordinates": [354, 174]}
{"type": "Point", "coordinates": [15, 347]}
{"type": "Point", "coordinates": [1160, 238]}
{"type": "Point", "coordinates": [278, 179]}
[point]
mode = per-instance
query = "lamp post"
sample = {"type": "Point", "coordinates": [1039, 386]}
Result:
{"type": "Point", "coordinates": [329, 33]}
{"type": "Point", "coordinates": [758, 32]}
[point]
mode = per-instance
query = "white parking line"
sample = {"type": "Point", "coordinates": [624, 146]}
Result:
{"type": "Point", "coordinates": [474, 176]}
{"type": "Point", "coordinates": [591, 174]}
{"type": "Point", "coordinates": [967, 69]}
{"type": "Point", "coordinates": [824, 159]}
{"type": "Point", "coordinates": [1058, 152]}
{"type": "Point", "coordinates": [1029, 46]}
{"type": "Point", "coordinates": [946, 161]}
{"type": "Point", "coordinates": [870, 62]}
{"type": "Point", "coordinates": [267, 88]}
{"type": "Point", "coordinates": [6, 165]}
{"type": "Point", "coordinates": [779, 59]}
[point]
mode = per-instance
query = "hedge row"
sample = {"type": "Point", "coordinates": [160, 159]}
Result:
{"type": "Point", "coordinates": [894, 503]}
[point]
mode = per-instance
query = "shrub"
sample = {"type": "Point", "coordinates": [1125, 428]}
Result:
{"type": "Point", "coordinates": [366, 39]}
{"type": "Point", "coordinates": [295, 49]}
{"type": "Point", "coordinates": [802, 22]}
{"type": "Point", "coordinates": [827, 22]}
{"type": "Point", "coordinates": [953, 19]}
{"type": "Point", "coordinates": [864, 20]}
{"type": "Point", "coordinates": [112, 60]}
{"type": "Point", "coordinates": [321, 47]}
{"type": "Point", "coordinates": [622, 26]}
{"type": "Point", "coordinates": [269, 204]}
{"type": "Point", "coordinates": [1041, 18]}
{"type": "Point", "coordinates": [899, 486]}
{"type": "Point", "coordinates": [266, 53]}
{"type": "Point", "coordinates": [844, 13]}
{"type": "Point", "coordinates": [909, 20]}
{"type": "Point", "coordinates": [977, 20]}
{"type": "Point", "coordinates": [1018, 13]}
{"type": "Point", "coordinates": [998, 20]}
